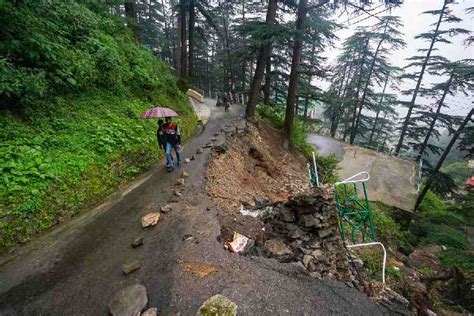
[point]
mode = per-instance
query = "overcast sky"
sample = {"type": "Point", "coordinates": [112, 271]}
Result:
{"type": "Point", "coordinates": [414, 23]}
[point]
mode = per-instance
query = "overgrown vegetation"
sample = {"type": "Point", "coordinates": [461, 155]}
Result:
{"type": "Point", "coordinates": [73, 83]}
{"type": "Point", "coordinates": [327, 165]}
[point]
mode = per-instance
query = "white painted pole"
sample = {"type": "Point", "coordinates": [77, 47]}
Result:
{"type": "Point", "coordinates": [315, 170]}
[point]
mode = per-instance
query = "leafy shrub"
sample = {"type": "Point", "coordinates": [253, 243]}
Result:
{"type": "Point", "coordinates": [274, 115]}
{"type": "Point", "coordinates": [459, 258]}
{"type": "Point", "coordinates": [432, 203]}
{"type": "Point", "coordinates": [446, 235]}
{"type": "Point", "coordinates": [386, 228]}
{"type": "Point", "coordinates": [72, 85]}
{"type": "Point", "coordinates": [327, 168]}
{"type": "Point", "coordinates": [459, 171]}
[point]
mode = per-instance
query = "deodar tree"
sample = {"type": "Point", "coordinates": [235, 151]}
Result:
{"type": "Point", "coordinates": [435, 36]}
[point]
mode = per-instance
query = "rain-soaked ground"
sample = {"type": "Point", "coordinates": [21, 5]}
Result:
{"type": "Point", "coordinates": [77, 268]}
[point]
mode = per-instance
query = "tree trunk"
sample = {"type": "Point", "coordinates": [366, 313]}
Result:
{"type": "Point", "coordinates": [178, 42]}
{"type": "Point", "coordinates": [244, 62]}
{"type": "Point", "coordinates": [429, 182]}
{"type": "Point", "coordinates": [418, 84]}
{"type": "Point", "coordinates": [306, 104]}
{"type": "Point", "coordinates": [378, 111]}
{"type": "Point", "coordinates": [359, 83]}
{"type": "Point", "coordinates": [130, 10]}
{"type": "Point", "coordinates": [336, 110]}
{"type": "Point", "coordinates": [263, 55]}
{"type": "Point", "coordinates": [229, 59]}
{"type": "Point", "coordinates": [367, 83]}
{"type": "Point", "coordinates": [182, 29]}
{"type": "Point", "coordinates": [192, 22]}
{"type": "Point", "coordinates": [266, 88]}
{"type": "Point", "coordinates": [295, 65]}
{"type": "Point", "coordinates": [435, 118]}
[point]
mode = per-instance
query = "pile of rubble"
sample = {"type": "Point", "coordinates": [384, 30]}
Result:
{"type": "Point", "coordinates": [305, 229]}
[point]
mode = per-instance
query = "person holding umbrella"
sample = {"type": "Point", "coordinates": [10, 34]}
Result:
{"type": "Point", "coordinates": [173, 141]}
{"type": "Point", "coordinates": [168, 134]}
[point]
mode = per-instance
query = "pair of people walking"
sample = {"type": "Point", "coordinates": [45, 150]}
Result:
{"type": "Point", "coordinates": [169, 138]}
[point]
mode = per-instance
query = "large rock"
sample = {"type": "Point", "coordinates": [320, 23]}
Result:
{"type": "Point", "coordinates": [150, 219]}
{"type": "Point", "coordinates": [218, 305]}
{"type": "Point", "coordinates": [129, 301]}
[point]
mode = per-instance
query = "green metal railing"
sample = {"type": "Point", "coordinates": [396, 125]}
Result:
{"type": "Point", "coordinates": [355, 215]}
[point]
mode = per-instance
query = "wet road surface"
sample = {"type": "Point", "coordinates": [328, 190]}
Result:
{"type": "Point", "coordinates": [77, 268]}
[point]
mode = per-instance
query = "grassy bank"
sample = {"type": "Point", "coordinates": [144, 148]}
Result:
{"type": "Point", "coordinates": [72, 87]}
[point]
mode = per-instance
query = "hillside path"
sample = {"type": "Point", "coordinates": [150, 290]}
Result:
{"type": "Point", "coordinates": [77, 268]}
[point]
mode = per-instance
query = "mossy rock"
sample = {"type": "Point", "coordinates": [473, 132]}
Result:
{"type": "Point", "coordinates": [218, 305]}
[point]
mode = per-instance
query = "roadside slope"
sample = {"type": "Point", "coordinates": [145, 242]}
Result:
{"type": "Point", "coordinates": [77, 270]}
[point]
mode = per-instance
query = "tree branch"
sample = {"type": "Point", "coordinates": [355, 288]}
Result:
{"type": "Point", "coordinates": [315, 6]}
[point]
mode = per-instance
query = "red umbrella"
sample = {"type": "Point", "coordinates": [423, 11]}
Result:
{"type": "Point", "coordinates": [158, 112]}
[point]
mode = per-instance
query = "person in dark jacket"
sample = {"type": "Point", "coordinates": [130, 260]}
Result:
{"type": "Point", "coordinates": [173, 140]}
{"type": "Point", "coordinates": [160, 135]}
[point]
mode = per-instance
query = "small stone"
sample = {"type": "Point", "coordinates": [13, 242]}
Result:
{"type": "Point", "coordinates": [187, 237]}
{"type": "Point", "coordinates": [208, 208]}
{"type": "Point", "coordinates": [306, 260]}
{"type": "Point", "coordinates": [165, 209]}
{"type": "Point", "coordinates": [218, 305]}
{"type": "Point", "coordinates": [184, 174]}
{"type": "Point", "coordinates": [187, 160]}
{"type": "Point", "coordinates": [129, 301]}
{"type": "Point", "coordinates": [208, 145]}
{"type": "Point", "coordinates": [150, 312]}
{"type": "Point", "coordinates": [128, 268]}
{"type": "Point", "coordinates": [216, 134]}
{"type": "Point", "coordinates": [137, 242]}
{"type": "Point", "coordinates": [317, 253]}
{"type": "Point", "coordinates": [177, 193]}
{"type": "Point", "coordinates": [192, 157]}
{"type": "Point", "coordinates": [325, 233]}
{"type": "Point", "coordinates": [213, 139]}
{"type": "Point", "coordinates": [220, 149]}
{"type": "Point", "coordinates": [310, 220]}
{"type": "Point", "coordinates": [278, 248]}
{"type": "Point", "coordinates": [150, 219]}
{"type": "Point", "coordinates": [180, 181]}
{"type": "Point", "coordinates": [199, 151]}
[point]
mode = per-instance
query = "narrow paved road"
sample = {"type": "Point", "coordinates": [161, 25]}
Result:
{"type": "Point", "coordinates": [326, 145]}
{"type": "Point", "coordinates": [76, 269]}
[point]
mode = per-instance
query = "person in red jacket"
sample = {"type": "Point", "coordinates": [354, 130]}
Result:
{"type": "Point", "coordinates": [173, 140]}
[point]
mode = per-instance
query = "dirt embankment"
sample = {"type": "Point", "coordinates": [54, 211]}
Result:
{"type": "Point", "coordinates": [251, 169]}
{"type": "Point", "coordinates": [256, 166]}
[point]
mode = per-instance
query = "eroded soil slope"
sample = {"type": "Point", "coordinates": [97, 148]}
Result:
{"type": "Point", "coordinates": [256, 166]}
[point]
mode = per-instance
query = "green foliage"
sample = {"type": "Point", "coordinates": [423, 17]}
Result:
{"type": "Point", "coordinates": [446, 235]}
{"type": "Point", "coordinates": [273, 115]}
{"type": "Point", "coordinates": [464, 260]}
{"type": "Point", "coordinates": [327, 168]}
{"type": "Point", "coordinates": [459, 171]}
{"type": "Point", "coordinates": [73, 84]}
{"type": "Point", "coordinates": [432, 203]}
{"type": "Point", "coordinates": [68, 48]}
{"type": "Point", "coordinates": [438, 224]}
{"type": "Point", "coordinates": [386, 228]}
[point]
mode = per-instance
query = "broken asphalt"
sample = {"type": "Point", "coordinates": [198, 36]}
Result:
{"type": "Point", "coordinates": [77, 267]}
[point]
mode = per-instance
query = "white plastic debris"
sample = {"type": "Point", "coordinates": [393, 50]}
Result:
{"type": "Point", "coordinates": [246, 212]}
